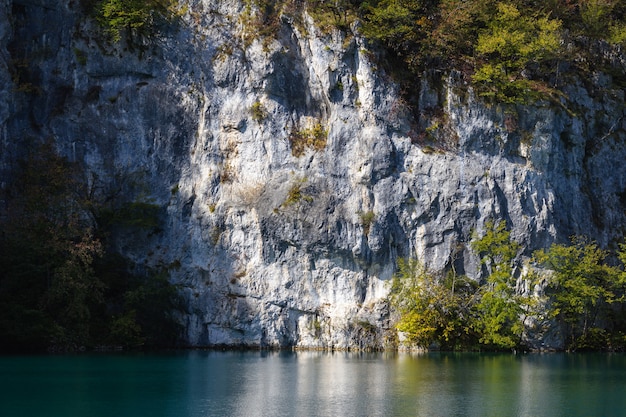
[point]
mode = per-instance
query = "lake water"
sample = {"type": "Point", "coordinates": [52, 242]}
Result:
{"type": "Point", "coordinates": [201, 383]}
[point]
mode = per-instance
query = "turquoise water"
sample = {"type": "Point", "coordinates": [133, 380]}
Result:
{"type": "Point", "coordinates": [199, 383]}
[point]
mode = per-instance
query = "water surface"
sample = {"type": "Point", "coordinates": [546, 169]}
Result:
{"type": "Point", "coordinates": [200, 383]}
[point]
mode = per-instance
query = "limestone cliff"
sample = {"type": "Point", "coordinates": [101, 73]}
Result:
{"type": "Point", "coordinates": [290, 173]}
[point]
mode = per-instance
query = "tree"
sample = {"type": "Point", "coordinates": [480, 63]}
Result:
{"type": "Point", "coordinates": [581, 288]}
{"type": "Point", "coordinates": [338, 9]}
{"type": "Point", "coordinates": [411, 296]}
{"type": "Point", "coordinates": [510, 44]}
{"type": "Point", "coordinates": [134, 17]}
{"type": "Point", "coordinates": [456, 30]}
{"type": "Point", "coordinates": [73, 290]}
{"type": "Point", "coordinates": [47, 247]}
{"type": "Point", "coordinates": [59, 288]}
{"type": "Point", "coordinates": [498, 314]}
{"type": "Point", "coordinates": [402, 26]}
{"type": "Point", "coordinates": [433, 310]}
{"type": "Point", "coordinates": [596, 16]}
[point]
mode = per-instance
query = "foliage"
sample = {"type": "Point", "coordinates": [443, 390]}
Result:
{"type": "Point", "coordinates": [367, 219]}
{"type": "Point", "coordinates": [410, 295]}
{"type": "Point", "coordinates": [495, 248]}
{"type": "Point", "coordinates": [499, 309]}
{"type": "Point", "coordinates": [137, 308]}
{"type": "Point", "coordinates": [618, 34]}
{"type": "Point", "coordinates": [595, 16]}
{"type": "Point", "coordinates": [314, 137]}
{"type": "Point", "coordinates": [434, 310]}
{"type": "Point", "coordinates": [508, 49]}
{"type": "Point", "coordinates": [295, 194]}
{"type": "Point", "coordinates": [58, 285]}
{"type": "Point", "coordinates": [135, 17]}
{"type": "Point", "coordinates": [151, 302]}
{"type": "Point", "coordinates": [258, 112]}
{"type": "Point", "coordinates": [74, 288]}
{"type": "Point", "coordinates": [499, 41]}
{"type": "Point", "coordinates": [456, 30]}
{"type": "Point", "coordinates": [46, 248]}
{"type": "Point", "coordinates": [453, 312]}
{"type": "Point", "coordinates": [81, 56]}
{"type": "Point", "coordinates": [509, 45]}
{"type": "Point", "coordinates": [584, 293]}
{"type": "Point", "coordinates": [335, 13]}
{"type": "Point", "coordinates": [582, 288]}
{"type": "Point", "coordinates": [399, 24]}
{"type": "Point", "coordinates": [124, 330]}
{"type": "Point", "coordinates": [261, 19]}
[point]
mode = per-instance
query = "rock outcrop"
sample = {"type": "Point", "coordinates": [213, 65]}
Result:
{"type": "Point", "coordinates": [290, 173]}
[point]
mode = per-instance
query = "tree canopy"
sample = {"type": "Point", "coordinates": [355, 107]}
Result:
{"type": "Point", "coordinates": [584, 291]}
{"type": "Point", "coordinates": [508, 49]}
{"type": "Point", "coordinates": [134, 17]}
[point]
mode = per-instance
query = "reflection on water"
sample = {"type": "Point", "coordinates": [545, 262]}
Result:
{"type": "Point", "coordinates": [203, 383]}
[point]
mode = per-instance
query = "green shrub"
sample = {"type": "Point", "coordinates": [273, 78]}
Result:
{"type": "Point", "coordinates": [512, 42]}
{"type": "Point", "coordinates": [135, 17]}
{"type": "Point", "coordinates": [295, 194]}
{"type": "Point", "coordinates": [125, 331]}
{"type": "Point", "coordinates": [367, 220]}
{"type": "Point", "coordinates": [595, 16]}
{"type": "Point", "coordinates": [258, 112]}
{"type": "Point", "coordinates": [81, 56]}
{"type": "Point", "coordinates": [581, 288]}
{"type": "Point", "coordinates": [618, 34]}
{"type": "Point", "coordinates": [499, 310]}
{"type": "Point", "coordinates": [433, 309]}
{"type": "Point", "coordinates": [314, 138]}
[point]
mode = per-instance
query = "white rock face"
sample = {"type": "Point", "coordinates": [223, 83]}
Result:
{"type": "Point", "coordinates": [271, 247]}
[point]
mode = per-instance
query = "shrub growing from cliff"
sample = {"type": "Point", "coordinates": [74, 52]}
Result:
{"type": "Point", "coordinates": [135, 17]}
{"type": "Point", "coordinates": [512, 43]}
{"type": "Point", "coordinates": [258, 112]}
{"type": "Point", "coordinates": [585, 296]}
{"type": "Point", "coordinates": [313, 137]}
{"type": "Point", "coordinates": [455, 313]}
{"type": "Point", "coordinates": [499, 309]}
{"type": "Point", "coordinates": [510, 50]}
{"type": "Point", "coordinates": [585, 292]}
{"type": "Point", "coordinates": [433, 310]}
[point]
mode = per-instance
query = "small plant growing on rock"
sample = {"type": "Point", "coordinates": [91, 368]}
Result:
{"type": "Point", "coordinates": [216, 233]}
{"type": "Point", "coordinates": [227, 174]}
{"type": "Point", "coordinates": [314, 137]}
{"type": "Point", "coordinates": [258, 112]}
{"type": "Point", "coordinates": [367, 219]}
{"type": "Point", "coordinates": [317, 327]}
{"type": "Point", "coordinates": [81, 56]}
{"type": "Point", "coordinates": [296, 195]}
